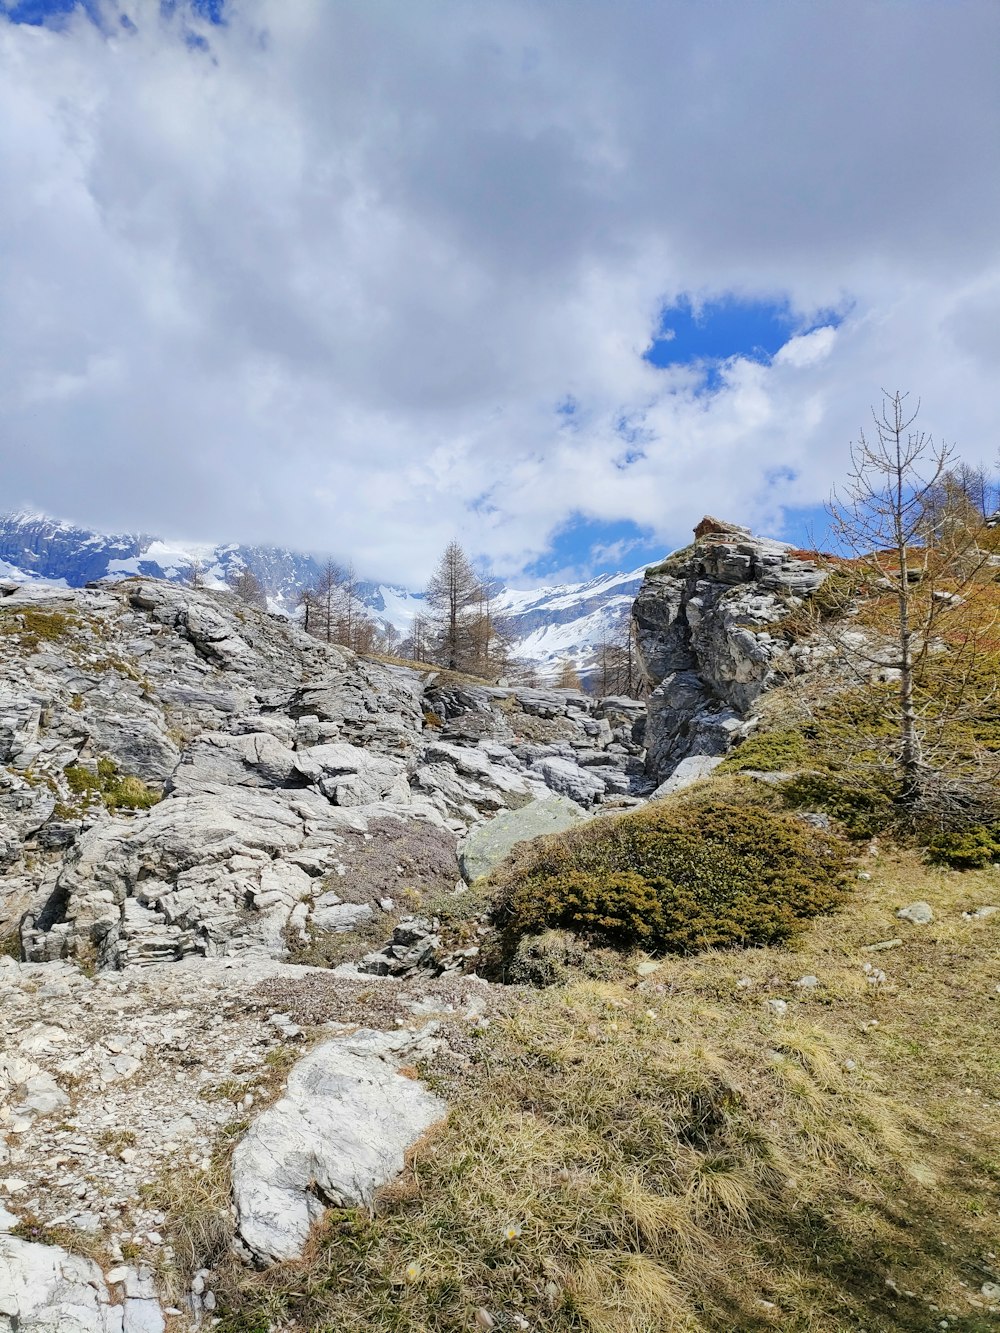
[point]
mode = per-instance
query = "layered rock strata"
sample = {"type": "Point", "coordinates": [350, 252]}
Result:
{"type": "Point", "coordinates": [708, 622]}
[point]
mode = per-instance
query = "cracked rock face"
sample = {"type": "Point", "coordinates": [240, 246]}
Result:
{"type": "Point", "coordinates": [189, 787]}
{"type": "Point", "coordinates": [340, 1131]}
{"type": "Point", "coordinates": [708, 631]}
{"type": "Point", "coordinates": [45, 1289]}
{"type": "Point", "coordinates": [273, 754]}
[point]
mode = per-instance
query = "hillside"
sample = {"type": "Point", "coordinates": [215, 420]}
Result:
{"type": "Point", "coordinates": [546, 626]}
{"type": "Point", "coordinates": [338, 995]}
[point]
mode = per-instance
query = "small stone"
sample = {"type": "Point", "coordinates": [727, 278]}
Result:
{"type": "Point", "coordinates": [744, 983]}
{"type": "Point", "coordinates": [777, 1007]}
{"type": "Point", "coordinates": [863, 874]}
{"type": "Point", "coordinates": [990, 1291]}
{"type": "Point", "coordinates": [918, 913]}
{"type": "Point", "coordinates": [647, 967]}
{"type": "Point", "coordinates": [808, 982]}
{"type": "Point", "coordinates": [128, 1155]}
{"type": "Point", "coordinates": [118, 1274]}
{"type": "Point", "coordinates": [850, 1066]}
{"type": "Point", "coordinates": [881, 946]}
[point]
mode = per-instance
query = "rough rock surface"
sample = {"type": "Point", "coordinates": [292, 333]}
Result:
{"type": "Point", "coordinates": [45, 1289]}
{"type": "Point", "coordinates": [707, 622]}
{"type": "Point", "coordinates": [488, 844]}
{"type": "Point", "coordinates": [340, 1131]}
{"type": "Point", "coordinates": [274, 754]}
{"type": "Point", "coordinates": [190, 789]}
{"type": "Point", "coordinates": [123, 1078]}
{"type": "Point", "coordinates": [687, 772]}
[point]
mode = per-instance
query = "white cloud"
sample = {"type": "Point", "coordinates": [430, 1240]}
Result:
{"type": "Point", "coordinates": [326, 284]}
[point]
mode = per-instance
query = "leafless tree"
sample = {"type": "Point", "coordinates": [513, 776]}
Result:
{"type": "Point", "coordinates": [415, 645]}
{"type": "Point", "coordinates": [913, 533]}
{"type": "Point", "coordinates": [568, 677]}
{"type": "Point", "coordinates": [619, 668]}
{"type": "Point", "coordinates": [451, 594]}
{"type": "Point", "coordinates": [248, 588]}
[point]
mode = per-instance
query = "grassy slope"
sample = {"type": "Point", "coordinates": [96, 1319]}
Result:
{"type": "Point", "coordinates": [672, 1155]}
{"type": "Point", "coordinates": [668, 1153]}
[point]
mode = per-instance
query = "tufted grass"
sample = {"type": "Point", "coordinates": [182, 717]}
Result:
{"type": "Point", "coordinates": [116, 790]}
{"type": "Point", "coordinates": [666, 1153]}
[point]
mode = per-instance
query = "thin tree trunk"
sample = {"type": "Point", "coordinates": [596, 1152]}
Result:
{"type": "Point", "coordinates": [910, 749]}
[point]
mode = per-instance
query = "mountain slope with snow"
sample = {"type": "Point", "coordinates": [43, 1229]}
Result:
{"type": "Point", "coordinates": [546, 626]}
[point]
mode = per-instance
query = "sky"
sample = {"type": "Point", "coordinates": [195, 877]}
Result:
{"type": "Point", "coordinates": [551, 277]}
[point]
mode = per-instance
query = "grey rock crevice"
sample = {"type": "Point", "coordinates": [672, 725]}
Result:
{"type": "Point", "coordinates": [708, 624]}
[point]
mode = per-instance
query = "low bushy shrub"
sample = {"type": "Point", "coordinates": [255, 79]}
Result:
{"type": "Point", "coordinates": [768, 752]}
{"type": "Point", "coordinates": [860, 800]}
{"type": "Point", "coordinates": [968, 849]}
{"type": "Point", "coordinates": [674, 877]}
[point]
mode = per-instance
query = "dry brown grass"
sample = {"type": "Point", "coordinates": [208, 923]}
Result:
{"type": "Point", "coordinates": [668, 1153]}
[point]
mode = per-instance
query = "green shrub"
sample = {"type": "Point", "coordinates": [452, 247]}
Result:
{"type": "Point", "coordinates": [673, 878]}
{"type": "Point", "coordinates": [34, 626]}
{"type": "Point", "coordinates": [970, 849]}
{"type": "Point", "coordinates": [10, 945]}
{"type": "Point", "coordinates": [619, 906]}
{"type": "Point", "coordinates": [860, 800]}
{"type": "Point", "coordinates": [768, 752]}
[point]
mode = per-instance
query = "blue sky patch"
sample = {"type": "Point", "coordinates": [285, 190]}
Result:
{"type": "Point", "coordinates": [608, 546]}
{"type": "Point", "coordinates": [37, 12]}
{"type": "Point", "coordinates": [721, 329]}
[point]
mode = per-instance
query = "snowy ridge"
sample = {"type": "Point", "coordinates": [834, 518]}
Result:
{"type": "Point", "coordinates": [546, 625]}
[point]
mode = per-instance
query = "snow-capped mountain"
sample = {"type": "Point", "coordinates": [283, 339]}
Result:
{"type": "Point", "coordinates": [35, 546]}
{"type": "Point", "coordinates": [546, 626]}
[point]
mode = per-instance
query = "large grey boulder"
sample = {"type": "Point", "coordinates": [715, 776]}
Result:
{"type": "Point", "coordinates": [585, 786]}
{"type": "Point", "coordinates": [340, 1132]}
{"type": "Point", "coordinates": [45, 1289]}
{"type": "Point", "coordinates": [216, 759]}
{"type": "Point", "coordinates": [465, 784]}
{"type": "Point", "coordinates": [687, 772]}
{"type": "Point", "coordinates": [487, 845]}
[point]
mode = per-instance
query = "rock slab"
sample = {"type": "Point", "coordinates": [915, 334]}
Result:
{"type": "Point", "coordinates": [340, 1131]}
{"type": "Point", "coordinates": [45, 1289]}
{"type": "Point", "coordinates": [488, 844]}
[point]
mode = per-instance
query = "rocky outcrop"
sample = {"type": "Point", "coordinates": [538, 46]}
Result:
{"type": "Point", "coordinates": [276, 756]}
{"type": "Point", "coordinates": [46, 1289]}
{"type": "Point", "coordinates": [190, 791]}
{"type": "Point", "coordinates": [708, 626]}
{"type": "Point", "coordinates": [340, 1131]}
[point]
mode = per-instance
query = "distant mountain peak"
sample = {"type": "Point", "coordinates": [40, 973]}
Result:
{"type": "Point", "coordinates": [548, 625]}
